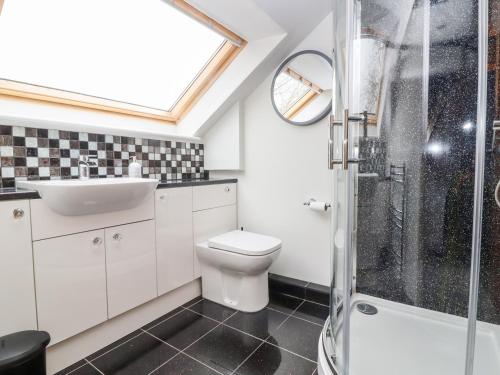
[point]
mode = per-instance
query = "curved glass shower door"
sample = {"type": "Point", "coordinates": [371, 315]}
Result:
{"type": "Point", "coordinates": [402, 154]}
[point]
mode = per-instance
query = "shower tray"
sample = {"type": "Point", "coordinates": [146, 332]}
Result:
{"type": "Point", "coordinates": [402, 339]}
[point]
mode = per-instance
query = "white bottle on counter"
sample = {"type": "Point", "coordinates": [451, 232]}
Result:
{"type": "Point", "coordinates": [134, 168]}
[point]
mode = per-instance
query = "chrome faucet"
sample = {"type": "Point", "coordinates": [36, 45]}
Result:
{"type": "Point", "coordinates": [84, 167]}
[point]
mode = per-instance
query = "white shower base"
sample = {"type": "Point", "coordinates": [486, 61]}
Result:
{"type": "Point", "coordinates": [407, 340]}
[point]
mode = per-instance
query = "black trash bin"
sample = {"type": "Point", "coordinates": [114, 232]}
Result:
{"type": "Point", "coordinates": [23, 353]}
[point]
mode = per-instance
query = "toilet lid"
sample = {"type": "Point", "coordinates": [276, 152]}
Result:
{"type": "Point", "coordinates": [246, 243]}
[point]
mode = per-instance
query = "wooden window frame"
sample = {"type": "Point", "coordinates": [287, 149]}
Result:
{"type": "Point", "coordinates": [308, 97]}
{"type": "Point", "coordinates": [200, 84]}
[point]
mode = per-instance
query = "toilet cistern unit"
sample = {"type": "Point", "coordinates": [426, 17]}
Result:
{"type": "Point", "coordinates": [234, 269]}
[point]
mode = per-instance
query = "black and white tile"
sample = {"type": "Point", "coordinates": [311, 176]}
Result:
{"type": "Point", "coordinates": [33, 154]}
{"type": "Point", "coordinates": [202, 337]}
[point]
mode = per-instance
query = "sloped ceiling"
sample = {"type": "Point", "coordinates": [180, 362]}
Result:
{"type": "Point", "coordinates": [272, 28]}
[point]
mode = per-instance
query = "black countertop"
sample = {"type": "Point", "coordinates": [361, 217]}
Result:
{"type": "Point", "coordinates": [15, 193]}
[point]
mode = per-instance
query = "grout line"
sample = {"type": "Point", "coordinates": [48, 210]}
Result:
{"type": "Point", "coordinates": [246, 333]}
{"type": "Point", "coordinates": [194, 303]}
{"type": "Point", "coordinates": [164, 320]}
{"type": "Point", "coordinates": [91, 365]}
{"type": "Point", "coordinates": [164, 363]}
{"type": "Point", "coordinates": [288, 317]}
{"type": "Point", "coordinates": [248, 356]}
{"type": "Point", "coordinates": [289, 351]}
{"type": "Point", "coordinates": [140, 329]}
{"type": "Point", "coordinates": [183, 350]}
{"type": "Point", "coordinates": [206, 316]}
{"type": "Point", "coordinates": [78, 368]}
{"type": "Point", "coordinates": [297, 317]}
{"type": "Point", "coordinates": [304, 299]}
{"type": "Point", "coordinates": [113, 348]}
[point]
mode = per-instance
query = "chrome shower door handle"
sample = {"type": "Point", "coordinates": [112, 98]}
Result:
{"type": "Point", "coordinates": [331, 146]}
{"type": "Point", "coordinates": [345, 161]}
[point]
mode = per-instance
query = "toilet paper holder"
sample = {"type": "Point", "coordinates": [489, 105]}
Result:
{"type": "Point", "coordinates": [308, 203]}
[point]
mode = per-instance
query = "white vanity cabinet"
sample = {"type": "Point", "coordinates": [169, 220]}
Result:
{"type": "Point", "coordinates": [17, 288]}
{"type": "Point", "coordinates": [88, 269]}
{"type": "Point", "coordinates": [174, 237]}
{"type": "Point", "coordinates": [130, 266]}
{"type": "Point", "coordinates": [70, 276]}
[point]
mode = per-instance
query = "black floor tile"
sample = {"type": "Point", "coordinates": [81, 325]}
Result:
{"type": "Point", "coordinates": [298, 336]}
{"type": "Point", "coordinates": [223, 349]}
{"type": "Point", "coordinates": [162, 318]}
{"type": "Point", "coordinates": [183, 329]}
{"type": "Point", "coordinates": [138, 356]}
{"type": "Point", "coordinates": [86, 370]}
{"type": "Point", "coordinates": [283, 303]}
{"type": "Point", "coordinates": [313, 312]}
{"type": "Point", "coordinates": [318, 293]}
{"type": "Point", "coordinates": [213, 310]}
{"type": "Point", "coordinates": [193, 301]}
{"type": "Point", "coordinates": [183, 365]}
{"type": "Point", "coordinates": [260, 324]}
{"type": "Point", "coordinates": [271, 360]}
{"type": "Point", "coordinates": [114, 345]}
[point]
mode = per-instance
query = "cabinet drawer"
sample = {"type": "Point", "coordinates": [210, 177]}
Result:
{"type": "Point", "coordinates": [210, 196]}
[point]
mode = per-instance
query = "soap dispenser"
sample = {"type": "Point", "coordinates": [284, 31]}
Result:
{"type": "Point", "coordinates": [134, 168]}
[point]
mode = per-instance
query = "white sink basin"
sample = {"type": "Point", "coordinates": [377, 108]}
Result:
{"type": "Point", "coordinates": [94, 196]}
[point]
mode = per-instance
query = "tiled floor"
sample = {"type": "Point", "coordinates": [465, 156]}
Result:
{"type": "Point", "coordinates": [202, 337]}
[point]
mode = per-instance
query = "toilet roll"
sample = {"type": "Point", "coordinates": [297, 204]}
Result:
{"type": "Point", "coordinates": [318, 206]}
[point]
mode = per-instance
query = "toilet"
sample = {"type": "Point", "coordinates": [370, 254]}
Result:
{"type": "Point", "coordinates": [234, 269]}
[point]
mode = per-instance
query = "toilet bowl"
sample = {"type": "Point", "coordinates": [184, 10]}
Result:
{"type": "Point", "coordinates": [234, 269]}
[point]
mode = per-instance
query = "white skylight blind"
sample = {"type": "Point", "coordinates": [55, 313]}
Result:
{"type": "Point", "coordinates": [143, 52]}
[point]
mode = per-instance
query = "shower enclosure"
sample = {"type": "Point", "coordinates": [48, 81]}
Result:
{"type": "Point", "coordinates": [415, 159]}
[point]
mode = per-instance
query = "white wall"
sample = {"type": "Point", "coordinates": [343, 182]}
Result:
{"type": "Point", "coordinates": [224, 141]}
{"type": "Point", "coordinates": [284, 166]}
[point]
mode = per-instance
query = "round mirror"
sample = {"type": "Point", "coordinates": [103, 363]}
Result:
{"type": "Point", "coordinates": [301, 91]}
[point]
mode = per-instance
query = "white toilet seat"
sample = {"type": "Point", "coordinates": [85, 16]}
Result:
{"type": "Point", "coordinates": [245, 243]}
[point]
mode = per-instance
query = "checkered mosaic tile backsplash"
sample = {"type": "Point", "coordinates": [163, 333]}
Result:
{"type": "Point", "coordinates": [33, 154]}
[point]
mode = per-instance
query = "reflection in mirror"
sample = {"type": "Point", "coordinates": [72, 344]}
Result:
{"type": "Point", "coordinates": [371, 71]}
{"type": "Point", "coordinates": [302, 88]}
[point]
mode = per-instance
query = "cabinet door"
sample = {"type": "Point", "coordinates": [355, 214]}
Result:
{"type": "Point", "coordinates": [212, 222]}
{"type": "Point", "coordinates": [70, 280]}
{"type": "Point", "coordinates": [17, 288]}
{"type": "Point", "coordinates": [174, 237]}
{"type": "Point", "coordinates": [130, 266]}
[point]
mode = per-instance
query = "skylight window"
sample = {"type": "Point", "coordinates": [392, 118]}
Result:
{"type": "Point", "coordinates": [288, 91]}
{"type": "Point", "coordinates": [144, 56]}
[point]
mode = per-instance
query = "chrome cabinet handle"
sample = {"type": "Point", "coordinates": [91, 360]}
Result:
{"type": "Point", "coordinates": [18, 213]}
{"type": "Point", "coordinates": [117, 236]}
{"type": "Point", "coordinates": [227, 189]}
{"type": "Point", "coordinates": [97, 241]}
